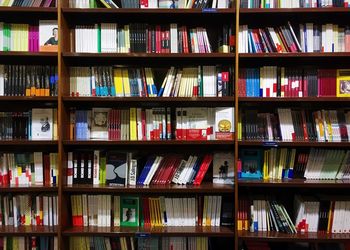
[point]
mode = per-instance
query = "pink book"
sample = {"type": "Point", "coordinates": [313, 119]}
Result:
{"type": "Point", "coordinates": [47, 3]}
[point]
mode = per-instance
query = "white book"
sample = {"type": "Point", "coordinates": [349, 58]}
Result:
{"type": "Point", "coordinates": [38, 168]}
{"type": "Point", "coordinates": [116, 210]}
{"type": "Point", "coordinates": [42, 124]}
{"type": "Point", "coordinates": [173, 38]}
{"type": "Point", "coordinates": [99, 123]}
{"type": "Point", "coordinates": [2, 86]}
{"type": "Point", "coordinates": [85, 210]}
{"type": "Point", "coordinates": [45, 211]}
{"type": "Point", "coordinates": [223, 4]}
{"type": "Point", "coordinates": [153, 170]}
{"type": "Point", "coordinates": [214, 4]}
{"type": "Point", "coordinates": [132, 172]}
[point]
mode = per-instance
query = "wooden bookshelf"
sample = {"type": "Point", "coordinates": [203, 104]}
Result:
{"type": "Point", "coordinates": [29, 189]}
{"type": "Point", "coordinates": [300, 237]}
{"type": "Point", "coordinates": [295, 183]}
{"type": "Point", "coordinates": [204, 188]}
{"type": "Point", "coordinates": [65, 58]}
{"type": "Point", "coordinates": [294, 144]}
{"type": "Point", "coordinates": [293, 99]}
{"type": "Point", "coordinates": [154, 231]}
{"type": "Point", "coordinates": [28, 231]}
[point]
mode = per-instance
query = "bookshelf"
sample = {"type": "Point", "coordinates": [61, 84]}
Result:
{"type": "Point", "coordinates": [65, 58]}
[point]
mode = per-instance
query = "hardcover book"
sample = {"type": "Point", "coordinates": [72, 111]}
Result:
{"type": "Point", "coordinates": [129, 211]}
{"type": "Point", "coordinates": [116, 168]}
{"type": "Point", "coordinates": [42, 124]}
{"type": "Point", "coordinates": [48, 35]}
{"type": "Point", "coordinates": [223, 168]}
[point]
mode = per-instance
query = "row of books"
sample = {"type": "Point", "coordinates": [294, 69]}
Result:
{"type": "Point", "coordinates": [137, 124]}
{"type": "Point", "coordinates": [133, 211]}
{"type": "Point", "coordinates": [268, 4]}
{"type": "Point", "coordinates": [31, 242]}
{"type": "Point", "coordinates": [203, 81]}
{"type": "Point", "coordinates": [264, 215]}
{"type": "Point", "coordinates": [26, 210]}
{"type": "Point", "coordinates": [289, 163]}
{"type": "Point", "coordinates": [28, 80]}
{"type": "Point", "coordinates": [281, 39]}
{"type": "Point", "coordinates": [152, 4]}
{"type": "Point", "coordinates": [28, 3]}
{"type": "Point", "coordinates": [35, 168]}
{"type": "Point", "coordinates": [141, 243]}
{"type": "Point", "coordinates": [321, 215]}
{"type": "Point", "coordinates": [140, 37]}
{"type": "Point", "coordinates": [125, 168]}
{"type": "Point", "coordinates": [288, 124]}
{"type": "Point", "coordinates": [312, 214]}
{"type": "Point", "coordinates": [35, 124]}
{"type": "Point", "coordinates": [29, 37]}
{"type": "Point", "coordinates": [273, 81]}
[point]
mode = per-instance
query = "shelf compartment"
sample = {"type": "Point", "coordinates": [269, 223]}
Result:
{"type": "Point", "coordinates": [145, 143]}
{"type": "Point", "coordinates": [172, 188]}
{"type": "Point", "coordinates": [292, 99]}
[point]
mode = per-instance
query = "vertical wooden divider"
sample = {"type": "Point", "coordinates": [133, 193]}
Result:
{"type": "Point", "coordinates": [236, 123]}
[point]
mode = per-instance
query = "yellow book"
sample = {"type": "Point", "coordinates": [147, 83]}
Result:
{"type": "Point", "coordinates": [105, 4]}
{"type": "Point", "coordinates": [205, 211]}
{"type": "Point", "coordinates": [159, 216]}
{"type": "Point", "coordinates": [127, 39]}
{"type": "Point", "coordinates": [330, 215]}
{"type": "Point", "coordinates": [266, 165]}
{"type": "Point", "coordinates": [126, 83]}
{"type": "Point", "coordinates": [118, 82]}
{"type": "Point", "coordinates": [133, 124]}
{"type": "Point", "coordinates": [26, 37]}
{"type": "Point", "coordinates": [343, 83]}
{"type": "Point", "coordinates": [151, 210]}
{"type": "Point", "coordinates": [150, 83]}
{"type": "Point", "coordinates": [320, 124]}
{"type": "Point", "coordinates": [55, 133]}
{"type": "Point", "coordinates": [198, 243]}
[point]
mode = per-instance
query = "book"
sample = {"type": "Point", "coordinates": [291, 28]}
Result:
{"type": "Point", "coordinates": [48, 36]}
{"type": "Point", "coordinates": [223, 168]}
{"type": "Point", "coordinates": [343, 83]}
{"type": "Point", "coordinates": [117, 167]}
{"type": "Point", "coordinates": [42, 124]}
{"type": "Point", "coordinates": [129, 211]}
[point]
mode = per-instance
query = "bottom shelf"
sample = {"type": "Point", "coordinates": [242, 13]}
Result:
{"type": "Point", "coordinates": [151, 231]}
{"type": "Point", "coordinates": [300, 237]}
{"type": "Point", "coordinates": [28, 230]}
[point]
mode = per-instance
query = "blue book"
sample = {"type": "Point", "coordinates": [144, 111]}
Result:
{"type": "Point", "coordinates": [195, 169]}
{"type": "Point", "coordinates": [145, 170]}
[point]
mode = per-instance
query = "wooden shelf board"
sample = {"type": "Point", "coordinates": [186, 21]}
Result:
{"type": "Point", "coordinates": [28, 9]}
{"type": "Point", "coordinates": [294, 55]}
{"type": "Point", "coordinates": [147, 11]}
{"type": "Point", "coordinates": [306, 237]}
{"type": "Point", "coordinates": [295, 183]}
{"type": "Point", "coordinates": [173, 188]}
{"type": "Point", "coordinates": [145, 143]}
{"type": "Point", "coordinates": [154, 231]}
{"type": "Point", "coordinates": [27, 143]}
{"type": "Point", "coordinates": [28, 99]}
{"type": "Point", "coordinates": [148, 55]}
{"type": "Point", "coordinates": [28, 230]}
{"type": "Point", "coordinates": [294, 10]}
{"type": "Point", "coordinates": [28, 189]}
{"type": "Point", "coordinates": [293, 99]}
{"type": "Point", "coordinates": [229, 99]}
{"type": "Point", "coordinates": [27, 54]}
{"type": "Point", "coordinates": [293, 143]}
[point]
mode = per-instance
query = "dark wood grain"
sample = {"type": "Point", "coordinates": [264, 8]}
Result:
{"type": "Point", "coordinates": [204, 188]}
{"type": "Point", "coordinates": [146, 143]}
{"type": "Point", "coordinates": [28, 189]}
{"type": "Point", "coordinates": [154, 231]}
{"type": "Point", "coordinates": [293, 144]}
{"type": "Point", "coordinates": [28, 230]}
{"type": "Point", "coordinates": [244, 11]}
{"type": "Point", "coordinates": [282, 237]}
{"type": "Point", "coordinates": [293, 99]}
{"type": "Point", "coordinates": [295, 183]}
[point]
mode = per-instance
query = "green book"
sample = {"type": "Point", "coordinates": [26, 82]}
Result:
{"type": "Point", "coordinates": [129, 211]}
{"type": "Point", "coordinates": [99, 38]}
{"type": "Point", "coordinates": [102, 175]}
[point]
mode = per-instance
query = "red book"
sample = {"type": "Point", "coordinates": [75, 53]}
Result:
{"type": "Point", "coordinates": [143, 122]}
{"type": "Point", "coordinates": [203, 169]}
{"type": "Point", "coordinates": [174, 167]}
{"type": "Point", "coordinates": [185, 39]}
{"type": "Point", "coordinates": [46, 169]}
{"type": "Point", "coordinates": [158, 39]}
